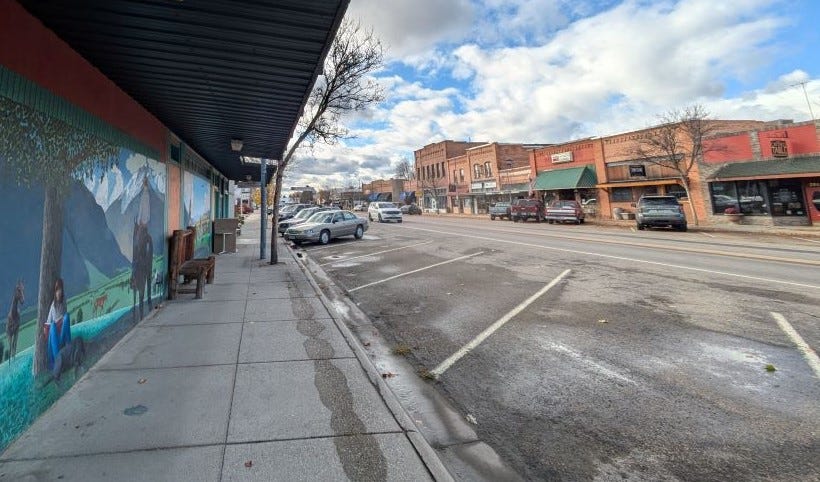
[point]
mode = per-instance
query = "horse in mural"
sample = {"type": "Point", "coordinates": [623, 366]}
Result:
{"type": "Point", "coordinates": [142, 261]}
{"type": "Point", "coordinates": [13, 319]}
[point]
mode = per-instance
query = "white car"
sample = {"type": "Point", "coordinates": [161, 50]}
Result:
{"type": "Point", "coordinates": [382, 212]}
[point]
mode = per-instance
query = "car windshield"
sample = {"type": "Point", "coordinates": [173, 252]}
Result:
{"type": "Point", "coordinates": [305, 213]}
{"type": "Point", "coordinates": [386, 205]}
{"type": "Point", "coordinates": [321, 217]}
{"type": "Point", "coordinates": [659, 201]}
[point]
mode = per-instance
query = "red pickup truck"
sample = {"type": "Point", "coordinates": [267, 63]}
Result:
{"type": "Point", "coordinates": [523, 209]}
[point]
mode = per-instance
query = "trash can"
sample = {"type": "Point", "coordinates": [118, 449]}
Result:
{"type": "Point", "coordinates": [225, 235]}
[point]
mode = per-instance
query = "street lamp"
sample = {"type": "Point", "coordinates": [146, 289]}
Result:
{"type": "Point", "coordinates": [509, 167]}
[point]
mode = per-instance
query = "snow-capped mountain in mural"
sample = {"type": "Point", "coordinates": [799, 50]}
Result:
{"type": "Point", "coordinates": [87, 241]}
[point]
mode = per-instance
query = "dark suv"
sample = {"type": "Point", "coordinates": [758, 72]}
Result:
{"type": "Point", "coordinates": [654, 211]}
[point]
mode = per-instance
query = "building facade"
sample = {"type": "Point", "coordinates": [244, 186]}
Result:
{"type": "Point", "coordinates": [771, 175]}
{"type": "Point", "coordinates": [432, 172]}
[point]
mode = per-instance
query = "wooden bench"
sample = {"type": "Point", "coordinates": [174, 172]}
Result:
{"type": "Point", "coordinates": [183, 264]}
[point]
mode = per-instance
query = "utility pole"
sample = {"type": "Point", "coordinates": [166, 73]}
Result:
{"type": "Point", "coordinates": [264, 208]}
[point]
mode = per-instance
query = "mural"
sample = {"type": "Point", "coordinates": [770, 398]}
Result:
{"type": "Point", "coordinates": [197, 202]}
{"type": "Point", "coordinates": [86, 259]}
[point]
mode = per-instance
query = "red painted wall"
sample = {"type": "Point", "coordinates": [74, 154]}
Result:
{"type": "Point", "coordinates": [729, 148]}
{"type": "Point", "coordinates": [35, 52]}
{"type": "Point", "coordinates": [799, 139]}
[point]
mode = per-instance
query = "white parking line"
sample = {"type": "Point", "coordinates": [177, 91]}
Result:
{"type": "Point", "coordinates": [809, 240]}
{"type": "Point", "coordinates": [809, 354]}
{"type": "Point", "coordinates": [589, 363]}
{"type": "Point", "coordinates": [414, 271]}
{"type": "Point", "coordinates": [495, 326]}
{"type": "Point", "coordinates": [374, 254]}
{"type": "Point", "coordinates": [624, 258]}
{"type": "Point", "coordinates": [707, 234]}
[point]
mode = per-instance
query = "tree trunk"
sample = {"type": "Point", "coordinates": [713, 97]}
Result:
{"type": "Point", "coordinates": [274, 254]}
{"type": "Point", "coordinates": [50, 264]}
{"type": "Point", "coordinates": [685, 181]}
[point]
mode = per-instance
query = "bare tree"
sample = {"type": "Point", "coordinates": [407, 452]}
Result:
{"type": "Point", "coordinates": [404, 170]}
{"type": "Point", "coordinates": [433, 187]}
{"type": "Point", "coordinates": [678, 142]}
{"type": "Point", "coordinates": [344, 86]}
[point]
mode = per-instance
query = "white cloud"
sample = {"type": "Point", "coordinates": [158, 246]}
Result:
{"type": "Point", "coordinates": [410, 28]}
{"type": "Point", "coordinates": [556, 70]}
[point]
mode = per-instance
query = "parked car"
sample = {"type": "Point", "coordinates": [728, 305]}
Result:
{"type": "Point", "coordinates": [523, 209]}
{"type": "Point", "coordinates": [381, 212]}
{"type": "Point", "coordinates": [563, 211]}
{"type": "Point", "coordinates": [291, 210]}
{"type": "Point", "coordinates": [654, 211]}
{"type": "Point", "coordinates": [300, 218]}
{"type": "Point", "coordinates": [500, 210]}
{"type": "Point", "coordinates": [410, 209]}
{"type": "Point", "coordinates": [360, 207]}
{"type": "Point", "coordinates": [327, 225]}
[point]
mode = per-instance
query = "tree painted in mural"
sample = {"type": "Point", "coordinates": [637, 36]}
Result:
{"type": "Point", "coordinates": [49, 153]}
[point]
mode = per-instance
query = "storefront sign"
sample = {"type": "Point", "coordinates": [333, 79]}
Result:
{"type": "Point", "coordinates": [779, 148]}
{"type": "Point", "coordinates": [562, 157]}
{"type": "Point", "coordinates": [476, 186]}
{"type": "Point", "coordinates": [637, 170]}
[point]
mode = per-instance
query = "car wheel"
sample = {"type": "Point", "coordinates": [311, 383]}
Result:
{"type": "Point", "coordinates": [492, 218]}
{"type": "Point", "coordinates": [380, 218]}
{"type": "Point", "coordinates": [640, 227]}
{"type": "Point", "coordinates": [297, 242]}
{"type": "Point", "coordinates": [581, 221]}
{"type": "Point", "coordinates": [515, 220]}
{"type": "Point", "coordinates": [399, 221]}
{"type": "Point", "coordinates": [324, 237]}
{"type": "Point", "coordinates": [359, 232]}
{"type": "Point", "coordinates": [682, 228]}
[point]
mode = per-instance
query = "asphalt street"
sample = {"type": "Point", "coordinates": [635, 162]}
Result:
{"type": "Point", "coordinates": [594, 353]}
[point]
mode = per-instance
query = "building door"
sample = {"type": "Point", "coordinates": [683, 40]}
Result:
{"type": "Point", "coordinates": [813, 198]}
{"type": "Point", "coordinates": [786, 197]}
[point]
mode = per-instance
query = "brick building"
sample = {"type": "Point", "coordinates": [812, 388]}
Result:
{"type": "Point", "coordinates": [431, 165]}
{"type": "Point", "coordinates": [771, 175]}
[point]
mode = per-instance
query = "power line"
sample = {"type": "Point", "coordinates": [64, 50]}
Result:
{"type": "Point", "coordinates": [803, 84]}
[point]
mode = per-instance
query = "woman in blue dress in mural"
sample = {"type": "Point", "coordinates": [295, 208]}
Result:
{"type": "Point", "coordinates": [58, 324]}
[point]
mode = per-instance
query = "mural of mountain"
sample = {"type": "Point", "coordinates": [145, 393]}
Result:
{"type": "Point", "coordinates": [86, 238]}
{"type": "Point", "coordinates": [121, 217]}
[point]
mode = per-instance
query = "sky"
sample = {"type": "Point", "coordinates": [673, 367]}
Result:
{"type": "Point", "coordinates": [551, 71]}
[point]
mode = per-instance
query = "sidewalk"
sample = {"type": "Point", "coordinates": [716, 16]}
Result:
{"type": "Point", "coordinates": [254, 382]}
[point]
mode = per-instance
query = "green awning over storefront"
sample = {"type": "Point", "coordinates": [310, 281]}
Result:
{"type": "Point", "coordinates": [572, 178]}
{"type": "Point", "coordinates": [796, 167]}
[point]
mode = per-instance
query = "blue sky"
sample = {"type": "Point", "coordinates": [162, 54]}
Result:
{"type": "Point", "coordinates": [550, 71]}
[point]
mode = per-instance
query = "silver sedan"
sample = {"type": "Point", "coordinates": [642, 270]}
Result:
{"type": "Point", "coordinates": [324, 226]}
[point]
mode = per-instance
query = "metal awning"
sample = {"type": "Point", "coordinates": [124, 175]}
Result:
{"type": "Point", "coordinates": [774, 169]}
{"type": "Point", "coordinates": [210, 70]}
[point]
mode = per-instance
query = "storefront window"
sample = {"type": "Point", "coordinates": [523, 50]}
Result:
{"type": "Point", "coordinates": [753, 197]}
{"type": "Point", "coordinates": [621, 194]}
{"type": "Point", "coordinates": [724, 196]}
{"type": "Point", "coordinates": [676, 190]}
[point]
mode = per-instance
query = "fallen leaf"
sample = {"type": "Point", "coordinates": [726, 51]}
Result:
{"type": "Point", "coordinates": [249, 463]}
{"type": "Point", "coordinates": [388, 375]}
{"type": "Point", "coordinates": [366, 343]}
{"type": "Point", "coordinates": [470, 418]}
{"type": "Point", "coordinates": [142, 380]}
